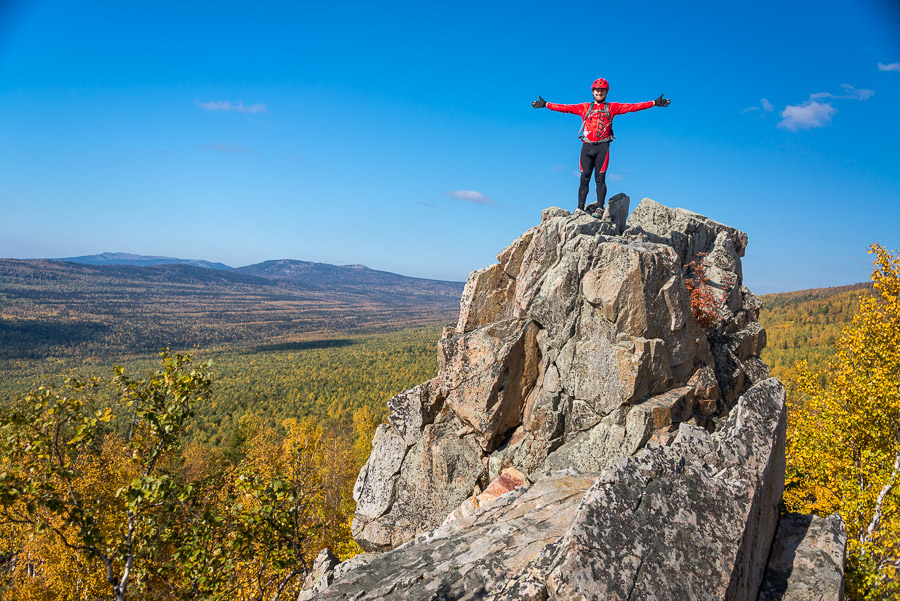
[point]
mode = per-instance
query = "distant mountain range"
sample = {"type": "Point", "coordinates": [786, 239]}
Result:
{"type": "Point", "coordinates": [139, 260]}
{"type": "Point", "coordinates": [310, 275]}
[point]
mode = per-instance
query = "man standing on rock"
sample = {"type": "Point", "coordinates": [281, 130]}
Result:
{"type": "Point", "coordinates": [596, 133]}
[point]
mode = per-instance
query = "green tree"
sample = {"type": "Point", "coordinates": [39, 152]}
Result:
{"type": "Point", "coordinates": [844, 438]}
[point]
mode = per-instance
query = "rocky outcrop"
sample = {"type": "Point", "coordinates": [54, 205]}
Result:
{"type": "Point", "coordinates": [586, 437]}
{"type": "Point", "coordinates": [575, 349]}
{"type": "Point", "coordinates": [691, 516]}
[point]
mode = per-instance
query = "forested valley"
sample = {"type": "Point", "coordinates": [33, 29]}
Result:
{"type": "Point", "coordinates": [218, 469]}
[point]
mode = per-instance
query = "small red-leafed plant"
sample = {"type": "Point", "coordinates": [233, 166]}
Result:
{"type": "Point", "coordinates": [704, 306]}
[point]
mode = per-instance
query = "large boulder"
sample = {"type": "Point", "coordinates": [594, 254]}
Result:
{"type": "Point", "coordinates": [578, 348]}
{"type": "Point", "coordinates": [807, 559]}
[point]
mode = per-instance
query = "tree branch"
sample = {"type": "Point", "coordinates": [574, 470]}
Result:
{"type": "Point", "coordinates": [876, 517]}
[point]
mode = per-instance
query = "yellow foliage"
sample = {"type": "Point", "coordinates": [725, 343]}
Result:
{"type": "Point", "coordinates": [843, 447]}
{"type": "Point", "coordinates": [44, 567]}
{"type": "Point", "coordinates": [244, 512]}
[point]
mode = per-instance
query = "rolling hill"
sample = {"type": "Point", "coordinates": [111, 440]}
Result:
{"type": "Point", "coordinates": [53, 308]}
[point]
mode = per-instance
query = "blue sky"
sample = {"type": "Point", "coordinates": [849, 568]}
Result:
{"type": "Point", "coordinates": [400, 135]}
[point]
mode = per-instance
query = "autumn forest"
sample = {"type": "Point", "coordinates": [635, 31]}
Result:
{"type": "Point", "coordinates": [219, 457]}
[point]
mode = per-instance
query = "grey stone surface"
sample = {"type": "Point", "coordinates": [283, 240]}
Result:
{"type": "Point", "coordinates": [413, 409]}
{"type": "Point", "coordinates": [475, 556]}
{"type": "Point", "coordinates": [693, 521]}
{"type": "Point", "coordinates": [687, 232]}
{"type": "Point", "coordinates": [374, 489]}
{"type": "Point", "coordinates": [488, 373]}
{"type": "Point", "coordinates": [320, 577]}
{"type": "Point", "coordinates": [690, 521]}
{"type": "Point", "coordinates": [617, 209]}
{"type": "Point", "coordinates": [357, 561]}
{"type": "Point", "coordinates": [438, 473]}
{"type": "Point", "coordinates": [511, 257]}
{"type": "Point", "coordinates": [807, 560]}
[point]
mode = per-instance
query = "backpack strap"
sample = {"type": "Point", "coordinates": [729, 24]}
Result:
{"type": "Point", "coordinates": [609, 119]}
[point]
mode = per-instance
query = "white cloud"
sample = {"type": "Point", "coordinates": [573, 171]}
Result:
{"type": "Point", "coordinates": [229, 106]}
{"type": "Point", "coordinates": [228, 148]}
{"type": "Point", "coordinates": [614, 177]}
{"type": "Point", "coordinates": [811, 113]}
{"type": "Point", "coordinates": [425, 204]}
{"type": "Point", "coordinates": [891, 67]}
{"type": "Point", "coordinates": [470, 196]}
{"type": "Point", "coordinates": [808, 115]}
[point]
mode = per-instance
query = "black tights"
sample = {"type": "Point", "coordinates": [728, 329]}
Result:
{"type": "Point", "coordinates": [594, 157]}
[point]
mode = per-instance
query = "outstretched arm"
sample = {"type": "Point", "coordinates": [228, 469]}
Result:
{"type": "Point", "coordinates": [577, 109]}
{"type": "Point", "coordinates": [617, 108]}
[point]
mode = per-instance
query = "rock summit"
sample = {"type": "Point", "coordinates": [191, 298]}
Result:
{"type": "Point", "coordinates": [586, 437]}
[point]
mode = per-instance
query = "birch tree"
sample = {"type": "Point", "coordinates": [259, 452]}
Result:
{"type": "Point", "coordinates": [104, 495]}
{"type": "Point", "coordinates": [843, 447]}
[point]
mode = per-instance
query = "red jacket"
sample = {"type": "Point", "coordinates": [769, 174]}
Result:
{"type": "Point", "coordinates": [596, 126]}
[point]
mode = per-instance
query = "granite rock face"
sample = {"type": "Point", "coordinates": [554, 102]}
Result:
{"type": "Point", "coordinates": [585, 437]}
{"type": "Point", "coordinates": [575, 349]}
{"type": "Point", "coordinates": [688, 521]}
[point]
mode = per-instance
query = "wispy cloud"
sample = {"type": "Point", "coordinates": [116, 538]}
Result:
{"type": "Point", "coordinates": [891, 67]}
{"type": "Point", "coordinates": [614, 177]}
{"type": "Point", "coordinates": [817, 111]}
{"type": "Point", "coordinates": [238, 148]}
{"type": "Point", "coordinates": [233, 107]}
{"type": "Point", "coordinates": [850, 93]}
{"type": "Point", "coordinates": [470, 196]}
{"type": "Point", "coordinates": [765, 106]}
{"type": "Point", "coordinates": [425, 204]}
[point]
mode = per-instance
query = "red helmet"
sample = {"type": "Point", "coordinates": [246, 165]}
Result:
{"type": "Point", "coordinates": [600, 83]}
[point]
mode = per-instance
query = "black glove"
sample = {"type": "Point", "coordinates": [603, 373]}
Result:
{"type": "Point", "coordinates": [539, 103]}
{"type": "Point", "coordinates": [660, 101]}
